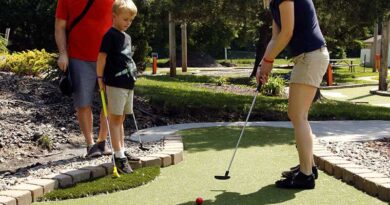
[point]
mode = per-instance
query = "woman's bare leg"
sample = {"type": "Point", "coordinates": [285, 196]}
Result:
{"type": "Point", "coordinates": [299, 102]}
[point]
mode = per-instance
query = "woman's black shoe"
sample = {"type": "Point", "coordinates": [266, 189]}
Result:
{"type": "Point", "coordinates": [289, 174]}
{"type": "Point", "coordinates": [297, 181]}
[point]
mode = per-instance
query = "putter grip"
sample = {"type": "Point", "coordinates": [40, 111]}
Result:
{"type": "Point", "coordinates": [258, 87]}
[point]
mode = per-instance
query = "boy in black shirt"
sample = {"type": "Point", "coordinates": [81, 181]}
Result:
{"type": "Point", "coordinates": [116, 74]}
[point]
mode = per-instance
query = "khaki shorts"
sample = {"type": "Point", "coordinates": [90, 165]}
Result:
{"type": "Point", "coordinates": [310, 67]}
{"type": "Point", "coordinates": [120, 100]}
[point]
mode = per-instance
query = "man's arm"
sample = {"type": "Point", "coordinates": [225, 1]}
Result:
{"type": "Point", "coordinates": [60, 37]}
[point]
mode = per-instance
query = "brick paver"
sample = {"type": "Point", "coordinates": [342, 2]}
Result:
{"type": "Point", "coordinates": [22, 197]}
{"type": "Point", "coordinates": [6, 200]}
{"type": "Point", "coordinates": [35, 190]}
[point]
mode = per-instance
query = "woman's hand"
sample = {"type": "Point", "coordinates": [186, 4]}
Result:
{"type": "Point", "coordinates": [263, 72]}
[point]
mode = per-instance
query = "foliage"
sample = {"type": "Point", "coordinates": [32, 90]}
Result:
{"type": "Point", "coordinates": [31, 23]}
{"type": "Point", "coordinates": [274, 87]}
{"type": "Point", "coordinates": [45, 142]}
{"type": "Point", "coordinates": [3, 45]}
{"type": "Point", "coordinates": [212, 25]}
{"type": "Point", "coordinates": [31, 62]}
{"type": "Point", "coordinates": [105, 185]}
{"type": "Point", "coordinates": [338, 53]}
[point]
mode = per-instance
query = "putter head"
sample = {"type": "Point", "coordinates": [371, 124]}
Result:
{"type": "Point", "coordinates": [222, 177]}
{"type": "Point", "coordinates": [225, 177]}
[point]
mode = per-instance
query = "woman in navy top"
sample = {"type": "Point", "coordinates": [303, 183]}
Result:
{"type": "Point", "coordinates": [295, 25]}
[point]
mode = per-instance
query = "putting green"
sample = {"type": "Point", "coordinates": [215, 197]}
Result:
{"type": "Point", "coordinates": [263, 154]}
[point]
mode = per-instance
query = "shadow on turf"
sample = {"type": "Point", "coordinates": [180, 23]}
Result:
{"type": "Point", "coordinates": [266, 195]}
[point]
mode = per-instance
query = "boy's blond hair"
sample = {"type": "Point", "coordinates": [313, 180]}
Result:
{"type": "Point", "coordinates": [127, 5]}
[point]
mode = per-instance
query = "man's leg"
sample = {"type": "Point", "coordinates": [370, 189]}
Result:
{"type": "Point", "coordinates": [84, 116]}
{"type": "Point", "coordinates": [83, 76]}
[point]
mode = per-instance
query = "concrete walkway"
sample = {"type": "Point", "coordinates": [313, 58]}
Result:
{"type": "Point", "coordinates": [326, 130]}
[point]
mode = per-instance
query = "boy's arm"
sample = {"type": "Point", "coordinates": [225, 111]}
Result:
{"type": "Point", "coordinates": [100, 64]}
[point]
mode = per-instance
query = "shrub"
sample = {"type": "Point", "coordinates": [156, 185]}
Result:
{"type": "Point", "coordinates": [220, 81]}
{"type": "Point", "coordinates": [31, 62]}
{"type": "Point", "coordinates": [274, 87]}
{"type": "Point", "coordinates": [45, 142]}
{"type": "Point", "coordinates": [3, 45]}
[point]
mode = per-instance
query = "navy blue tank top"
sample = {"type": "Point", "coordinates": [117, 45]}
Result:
{"type": "Point", "coordinates": [307, 34]}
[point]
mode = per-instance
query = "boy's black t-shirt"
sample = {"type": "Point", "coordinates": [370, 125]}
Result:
{"type": "Point", "coordinates": [120, 70]}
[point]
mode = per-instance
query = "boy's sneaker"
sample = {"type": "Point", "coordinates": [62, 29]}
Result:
{"type": "Point", "coordinates": [297, 181]}
{"type": "Point", "coordinates": [93, 151]}
{"type": "Point", "coordinates": [103, 147]}
{"type": "Point", "coordinates": [123, 165]}
{"type": "Point", "coordinates": [289, 174]}
{"type": "Point", "coordinates": [131, 157]}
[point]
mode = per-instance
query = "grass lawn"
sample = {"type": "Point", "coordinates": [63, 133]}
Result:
{"type": "Point", "coordinates": [183, 95]}
{"type": "Point", "coordinates": [106, 184]}
{"type": "Point", "coordinates": [263, 154]}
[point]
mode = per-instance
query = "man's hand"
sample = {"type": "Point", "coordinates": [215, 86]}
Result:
{"type": "Point", "coordinates": [263, 72]}
{"type": "Point", "coordinates": [63, 62]}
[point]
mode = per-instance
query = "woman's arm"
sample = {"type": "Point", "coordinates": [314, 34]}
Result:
{"type": "Point", "coordinates": [280, 38]}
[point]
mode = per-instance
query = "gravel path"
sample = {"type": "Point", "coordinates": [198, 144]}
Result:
{"type": "Point", "coordinates": [374, 155]}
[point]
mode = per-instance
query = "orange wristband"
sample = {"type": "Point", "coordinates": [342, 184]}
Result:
{"type": "Point", "coordinates": [268, 61]}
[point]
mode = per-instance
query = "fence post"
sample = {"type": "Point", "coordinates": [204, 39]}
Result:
{"type": "Point", "coordinates": [329, 73]}
{"type": "Point", "coordinates": [154, 68]}
{"type": "Point", "coordinates": [7, 32]}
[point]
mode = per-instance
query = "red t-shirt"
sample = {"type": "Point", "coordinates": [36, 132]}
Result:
{"type": "Point", "coordinates": [85, 38]}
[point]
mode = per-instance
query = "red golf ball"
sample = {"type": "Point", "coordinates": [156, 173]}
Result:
{"type": "Point", "coordinates": [199, 200]}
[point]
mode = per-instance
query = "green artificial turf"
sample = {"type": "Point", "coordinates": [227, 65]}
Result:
{"type": "Point", "coordinates": [262, 155]}
{"type": "Point", "coordinates": [106, 184]}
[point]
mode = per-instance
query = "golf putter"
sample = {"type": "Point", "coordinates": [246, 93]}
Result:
{"type": "Point", "coordinates": [141, 147]}
{"type": "Point", "coordinates": [226, 176]}
{"type": "Point", "coordinates": [115, 173]}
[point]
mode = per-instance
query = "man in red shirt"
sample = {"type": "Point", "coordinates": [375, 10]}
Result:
{"type": "Point", "coordinates": [78, 52]}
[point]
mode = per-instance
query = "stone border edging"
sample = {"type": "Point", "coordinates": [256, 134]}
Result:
{"type": "Point", "coordinates": [31, 191]}
{"type": "Point", "coordinates": [371, 182]}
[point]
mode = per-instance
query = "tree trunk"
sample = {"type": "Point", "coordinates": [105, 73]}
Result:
{"type": "Point", "coordinates": [374, 48]}
{"type": "Point", "coordinates": [184, 47]}
{"type": "Point", "coordinates": [172, 46]}
{"type": "Point", "coordinates": [384, 55]}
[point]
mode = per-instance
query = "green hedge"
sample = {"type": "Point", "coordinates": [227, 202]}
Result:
{"type": "Point", "coordinates": [31, 62]}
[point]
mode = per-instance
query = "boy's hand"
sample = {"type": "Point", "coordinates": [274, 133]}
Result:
{"type": "Point", "coordinates": [102, 86]}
